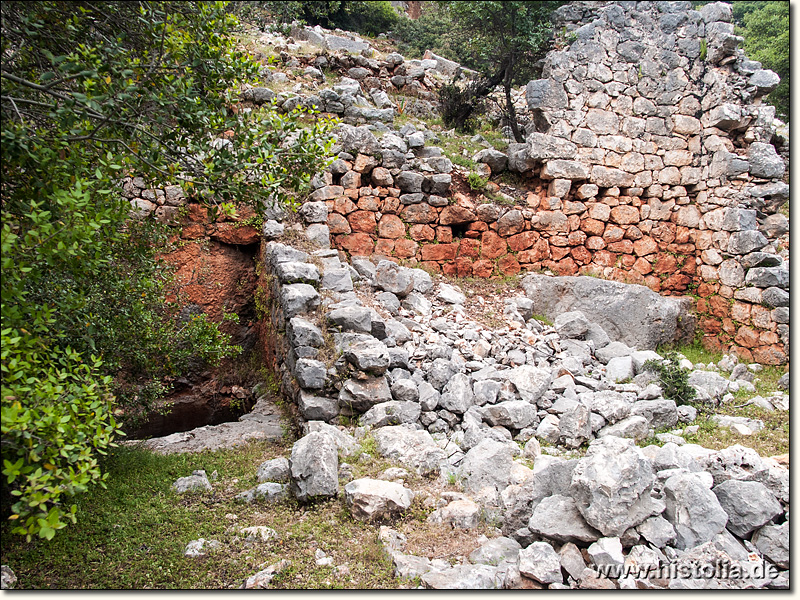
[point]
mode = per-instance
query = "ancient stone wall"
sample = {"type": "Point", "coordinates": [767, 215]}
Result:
{"type": "Point", "coordinates": [648, 160]}
{"type": "Point", "coordinates": [656, 99]}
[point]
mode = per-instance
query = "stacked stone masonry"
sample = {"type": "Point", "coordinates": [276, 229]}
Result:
{"type": "Point", "coordinates": [653, 164]}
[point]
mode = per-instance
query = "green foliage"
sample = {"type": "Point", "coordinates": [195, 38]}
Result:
{"type": "Point", "coordinates": [367, 17]}
{"type": "Point", "coordinates": [543, 319]}
{"type": "Point", "coordinates": [703, 51]}
{"type": "Point", "coordinates": [49, 447]}
{"type": "Point", "coordinates": [92, 92]}
{"type": "Point", "coordinates": [506, 34]}
{"type": "Point", "coordinates": [766, 39]}
{"type": "Point", "coordinates": [505, 40]}
{"type": "Point", "coordinates": [434, 30]}
{"type": "Point", "coordinates": [765, 28]}
{"type": "Point", "coordinates": [461, 105]}
{"type": "Point", "coordinates": [476, 182]}
{"type": "Point", "coordinates": [673, 378]}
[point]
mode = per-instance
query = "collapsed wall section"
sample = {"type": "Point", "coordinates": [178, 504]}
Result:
{"type": "Point", "coordinates": [650, 160]}
{"type": "Point", "coordinates": [655, 99]}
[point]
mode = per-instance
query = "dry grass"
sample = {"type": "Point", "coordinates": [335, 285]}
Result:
{"type": "Point", "coordinates": [438, 541]}
{"type": "Point", "coordinates": [772, 440]}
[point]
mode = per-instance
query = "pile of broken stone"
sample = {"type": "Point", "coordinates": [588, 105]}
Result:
{"type": "Point", "coordinates": [361, 93]}
{"type": "Point", "coordinates": [446, 397]}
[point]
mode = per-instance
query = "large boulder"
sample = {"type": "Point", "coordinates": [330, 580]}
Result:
{"type": "Point", "coordinates": [413, 448]}
{"type": "Point", "coordinates": [362, 394]}
{"type": "Point", "coordinates": [773, 542]}
{"type": "Point", "coordinates": [369, 355]}
{"type": "Point", "coordinates": [463, 577]}
{"type": "Point", "coordinates": [531, 382]}
{"type": "Point", "coordinates": [457, 395]}
{"type": "Point", "coordinates": [359, 139]}
{"type": "Point", "coordinates": [495, 551]}
{"type": "Point", "coordinates": [393, 278]}
{"type": "Point", "coordinates": [632, 314]}
{"type": "Point", "coordinates": [611, 486]}
{"type": "Point", "coordinates": [513, 414]}
{"type": "Point", "coordinates": [391, 413]}
{"type": "Point", "coordinates": [487, 465]}
{"type": "Point", "coordinates": [548, 480]}
{"type": "Point", "coordinates": [557, 518]}
{"type": "Point", "coordinates": [373, 499]}
{"type": "Point", "coordinates": [540, 562]}
{"type": "Point", "coordinates": [693, 509]}
{"type": "Point", "coordinates": [748, 504]}
{"type": "Point", "coordinates": [314, 467]}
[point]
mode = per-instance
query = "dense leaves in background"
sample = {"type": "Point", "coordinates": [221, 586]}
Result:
{"type": "Point", "coordinates": [369, 17]}
{"type": "Point", "coordinates": [434, 30]}
{"type": "Point", "coordinates": [91, 91]}
{"type": "Point", "coordinates": [766, 39]}
{"type": "Point", "coordinates": [765, 28]}
{"type": "Point", "coordinates": [505, 40]}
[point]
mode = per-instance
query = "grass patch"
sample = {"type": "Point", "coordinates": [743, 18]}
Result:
{"type": "Point", "coordinates": [434, 123]}
{"type": "Point", "coordinates": [695, 353]}
{"type": "Point", "coordinates": [478, 286]}
{"type": "Point", "coordinates": [773, 439]}
{"type": "Point", "coordinates": [132, 535]}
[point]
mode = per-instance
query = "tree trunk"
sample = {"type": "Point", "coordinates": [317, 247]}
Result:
{"type": "Point", "coordinates": [512, 113]}
{"type": "Point", "coordinates": [483, 89]}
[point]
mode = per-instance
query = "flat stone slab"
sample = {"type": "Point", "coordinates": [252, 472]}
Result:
{"type": "Point", "coordinates": [632, 314]}
{"type": "Point", "coordinates": [262, 423]}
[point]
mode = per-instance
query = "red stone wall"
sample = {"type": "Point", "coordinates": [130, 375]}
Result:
{"type": "Point", "coordinates": [650, 241]}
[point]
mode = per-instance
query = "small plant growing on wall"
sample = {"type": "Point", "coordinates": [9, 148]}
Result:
{"type": "Point", "coordinates": [673, 378]}
{"type": "Point", "coordinates": [476, 182]}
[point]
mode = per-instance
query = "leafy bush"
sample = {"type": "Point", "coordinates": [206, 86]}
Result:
{"type": "Point", "coordinates": [673, 378]}
{"type": "Point", "coordinates": [370, 18]}
{"type": "Point", "coordinates": [91, 92]}
{"type": "Point", "coordinates": [57, 414]}
{"type": "Point", "coordinates": [433, 30]}
{"type": "Point", "coordinates": [461, 105]}
{"type": "Point", "coordinates": [476, 182]}
{"type": "Point", "coordinates": [766, 39]}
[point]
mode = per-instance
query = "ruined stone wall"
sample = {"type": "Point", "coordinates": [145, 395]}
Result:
{"type": "Point", "coordinates": [648, 160]}
{"type": "Point", "coordinates": [659, 102]}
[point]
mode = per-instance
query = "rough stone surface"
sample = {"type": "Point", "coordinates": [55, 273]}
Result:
{"type": "Point", "coordinates": [611, 486]}
{"type": "Point", "coordinates": [362, 394]}
{"type": "Point", "coordinates": [414, 449]}
{"type": "Point", "coordinates": [773, 542]}
{"type": "Point", "coordinates": [196, 482]}
{"type": "Point", "coordinates": [748, 504]}
{"type": "Point", "coordinates": [391, 413]}
{"type": "Point", "coordinates": [393, 278]}
{"type": "Point", "coordinates": [692, 509]}
{"type": "Point", "coordinates": [540, 562]}
{"type": "Point", "coordinates": [314, 467]}
{"type": "Point", "coordinates": [630, 314]}
{"type": "Point", "coordinates": [496, 551]}
{"type": "Point", "coordinates": [488, 464]}
{"type": "Point", "coordinates": [557, 518]}
{"type": "Point", "coordinates": [276, 470]}
{"type": "Point", "coordinates": [374, 500]}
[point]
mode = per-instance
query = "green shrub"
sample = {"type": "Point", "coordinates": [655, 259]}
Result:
{"type": "Point", "coordinates": [367, 17]}
{"type": "Point", "coordinates": [461, 105]}
{"type": "Point", "coordinates": [57, 416]}
{"type": "Point", "coordinates": [476, 182]}
{"type": "Point", "coordinates": [434, 30]}
{"type": "Point", "coordinates": [673, 378]}
{"type": "Point", "coordinates": [90, 93]}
